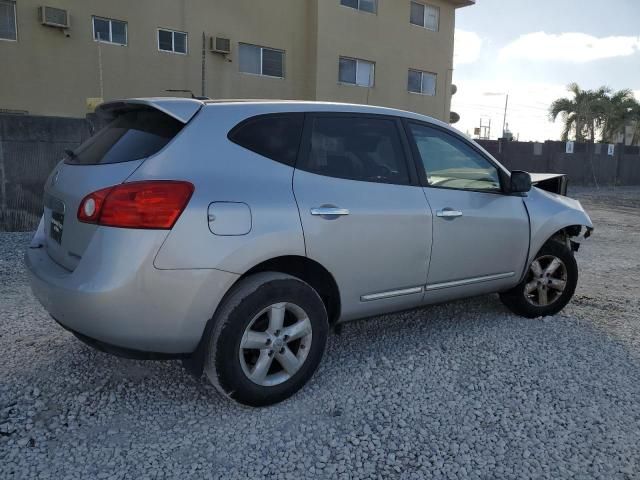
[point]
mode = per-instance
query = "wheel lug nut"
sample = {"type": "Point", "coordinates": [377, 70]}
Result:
{"type": "Point", "coordinates": [286, 337]}
{"type": "Point", "coordinates": [282, 350]}
{"type": "Point", "coordinates": [271, 353]}
{"type": "Point", "coordinates": [268, 342]}
{"type": "Point", "coordinates": [277, 332]}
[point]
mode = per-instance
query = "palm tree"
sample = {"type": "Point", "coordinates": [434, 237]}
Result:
{"type": "Point", "coordinates": [620, 110]}
{"type": "Point", "coordinates": [582, 115]}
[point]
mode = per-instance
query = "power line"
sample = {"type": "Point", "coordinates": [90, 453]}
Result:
{"type": "Point", "coordinates": [496, 107]}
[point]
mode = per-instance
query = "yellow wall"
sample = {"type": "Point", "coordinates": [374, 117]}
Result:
{"type": "Point", "coordinates": [48, 73]}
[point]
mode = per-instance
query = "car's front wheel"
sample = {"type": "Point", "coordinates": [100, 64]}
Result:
{"type": "Point", "coordinates": [267, 340]}
{"type": "Point", "coordinates": [548, 285]}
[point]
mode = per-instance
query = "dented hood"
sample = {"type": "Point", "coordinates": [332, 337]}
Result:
{"type": "Point", "coordinates": [551, 182]}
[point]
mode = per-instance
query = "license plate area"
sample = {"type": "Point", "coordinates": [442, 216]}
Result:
{"type": "Point", "coordinates": [55, 229]}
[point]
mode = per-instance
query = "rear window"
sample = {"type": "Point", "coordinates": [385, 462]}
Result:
{"type": "Point", "coordinates": [275, 136]}
{"type": "Point", "coordinates": [133, 135]}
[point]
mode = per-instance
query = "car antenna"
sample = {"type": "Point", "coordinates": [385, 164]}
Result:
{"type": "Point", "coordinates": [185, 90]}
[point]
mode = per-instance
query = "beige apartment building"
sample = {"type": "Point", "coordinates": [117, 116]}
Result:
{"type": "Point", "coordinates": [60, 57]}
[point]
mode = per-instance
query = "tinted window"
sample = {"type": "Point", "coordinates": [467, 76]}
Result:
{"type": "Point", "coordinates": [274, 136]}
{"type": "Point", "coordinates": [118, 32]}
{"type": "Point", "coordinates": [272, 63]}
{"type": "Point", "coordinates": [450, 162]}
{"type": "Point", "coordinates": [132, 135]}
{"type": "Point", "coordinates": [357, 148]}
{"type": "Point", "coordinates": [165, 40]}
{"type": "Point", "coordinates": [179, 42]}
{"type": "Point", "coordinates": [101, 29]}
{"type": "Point", "coordinates": [8, 20]}
{"type": "Point", "coordinates": [417, 14]}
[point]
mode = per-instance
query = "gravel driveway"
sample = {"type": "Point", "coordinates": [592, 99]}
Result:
{"type": "Point", "coordinates": [463, 390]}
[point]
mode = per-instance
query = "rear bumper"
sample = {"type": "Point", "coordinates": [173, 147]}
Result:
{"type": "Point", "coordinates": [116, 297]}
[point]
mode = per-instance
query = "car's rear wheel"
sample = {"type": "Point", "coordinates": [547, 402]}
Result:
{"type": "Point", "coordinates": [548, 285]}
{"type": "Point", "coordinates": [268, 338]}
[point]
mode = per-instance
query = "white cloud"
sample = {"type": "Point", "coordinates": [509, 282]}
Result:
{"type": "Point", "coordinates": [466, 48]}
{"type": "Point", "coordinates": [569, 47]}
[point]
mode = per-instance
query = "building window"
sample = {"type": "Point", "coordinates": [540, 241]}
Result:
{"type": "Point", "coordinates": [109, 31]}
{"type": "Point", "coordinates": [370, 6]}
{"type": "Point", "coordinates": [426, 16]}
{"type": "Point", "coordinates": [261, 61]}
{"type": "Point", "coordinates": [356, 72]}
{"type": "Point", "coordinates": [172, 41]}
{"type": "Point", "coordinates": [422, 82]}
{"type": "Point", "coordinates": [8, 30]}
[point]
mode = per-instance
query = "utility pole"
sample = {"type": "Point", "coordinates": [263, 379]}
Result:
{"type": "Point", "coordinates": [504, 118]}
{"type": "Point", "coordinates": [100, 66]}
{"type": "Point", "coordinates": [202, 89]}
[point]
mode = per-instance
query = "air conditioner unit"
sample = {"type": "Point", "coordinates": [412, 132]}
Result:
{"type": "Point", "coordinates": [220, 45]}
{"type": "Point", "coordinates": [54, 17]}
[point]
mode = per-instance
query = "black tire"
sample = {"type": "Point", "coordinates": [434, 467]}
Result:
{"type": "Point", "coordinates": [240, 306]}
{"type": "Point", "coordinates": [517, 300]}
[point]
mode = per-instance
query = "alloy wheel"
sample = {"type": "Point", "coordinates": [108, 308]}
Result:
{"type": "Point", "coordinates": [546, 280]}
{"type": "Point", "coordinates": [275, 344]}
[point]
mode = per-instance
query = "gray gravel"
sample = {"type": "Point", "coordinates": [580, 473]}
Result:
{"type": "Point", "coordinates": [464, 390]}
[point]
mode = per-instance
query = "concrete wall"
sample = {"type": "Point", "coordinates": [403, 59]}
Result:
{"type": "Point", "coordinates": [588, 165]}
{"type": "Point", "coordinates": [29, 149]}
{"type": "Point", "coordinates": [49, 73]}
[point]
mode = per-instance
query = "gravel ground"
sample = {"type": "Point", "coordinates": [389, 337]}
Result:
{"type": "Point", "coordinates": [463, 390]}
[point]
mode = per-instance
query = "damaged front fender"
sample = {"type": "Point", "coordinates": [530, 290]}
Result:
{"type": "Point", "coordinates": [551, 213]}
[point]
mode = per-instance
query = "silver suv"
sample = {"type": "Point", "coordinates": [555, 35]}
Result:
{"type": "Point", "coordinates": [235, 234]}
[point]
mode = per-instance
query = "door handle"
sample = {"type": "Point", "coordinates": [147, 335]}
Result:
{"type": "Point", "coordinates": [448, 213]}
{"type": "Point", "coordinates": [329, 211]}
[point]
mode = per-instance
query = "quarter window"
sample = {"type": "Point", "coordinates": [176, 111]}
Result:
{"type": "Point", "coordinates": [261, 60]}
{"type": "Point", "coordinates": [450, 162]}
{"type": "Point", "coordinates": [172, 41]}
{"type": "Point", "coordinates": [370, 6]}
{"type": "Point", "coordinates": [357, 148]}
{"type": "Point", "coordinates": [273, 136]}
{"type": "Point", "coordinates": [422, 82]}
{"type": "Point", "coordinates": [356, 72]}
{"type": "Point", "coordinates": [426, 16]}
{"type": "Point", "coordinates": [109, 30]}
{"type": "Point", "coordinates": [8, 30]}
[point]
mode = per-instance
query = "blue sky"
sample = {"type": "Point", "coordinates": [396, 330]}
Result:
{"type": "Point", "coordinates": [532, 50]}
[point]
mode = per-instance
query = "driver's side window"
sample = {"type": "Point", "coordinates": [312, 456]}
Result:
{"type": "Point", "coordinates": [451, 163]}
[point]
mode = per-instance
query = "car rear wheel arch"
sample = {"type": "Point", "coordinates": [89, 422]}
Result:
{"type": "Point", "coordinates": [310, 272]}
{"type": "Point", "coordinates": [307, 270]}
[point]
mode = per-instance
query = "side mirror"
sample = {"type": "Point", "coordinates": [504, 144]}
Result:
{"type": "Point", "coordinates": [520, 182]}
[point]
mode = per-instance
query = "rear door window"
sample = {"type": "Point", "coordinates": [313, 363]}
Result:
{"type": "Point", "coordinates": [133, 135]}
{"type": "Point", "coordinates": [275, 136]}
{"type": "Point", "coordinates": [357, 148]}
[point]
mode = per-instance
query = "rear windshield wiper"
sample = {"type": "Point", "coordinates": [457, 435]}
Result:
{"type": "Point", "coordinates": [69, 154]}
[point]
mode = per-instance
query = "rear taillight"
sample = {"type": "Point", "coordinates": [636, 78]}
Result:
{"type": "Point", "coordinates": [149, 204]}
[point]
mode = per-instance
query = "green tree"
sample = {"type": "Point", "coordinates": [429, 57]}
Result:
{"type": "Point", "coordinates": [620, 110]}
{"type": "Point", "coordinates": [582, 114]}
